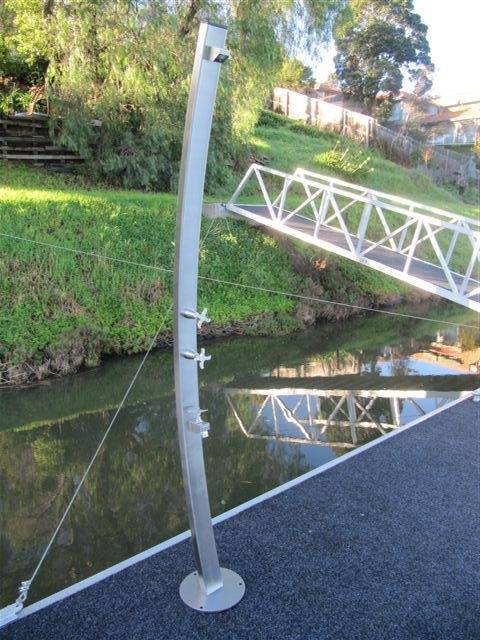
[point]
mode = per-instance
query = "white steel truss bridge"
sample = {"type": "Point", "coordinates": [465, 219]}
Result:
{"type": "Point", "coordinates": [313, 416]}
{"type": "Point", "coordinates": [427, 247]}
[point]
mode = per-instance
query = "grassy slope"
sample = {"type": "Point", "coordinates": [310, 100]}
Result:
{"type": "Point", "coordinates": [76, 306]}
{"type": "Point", "coordinates": [284, 150]}
{"type": "Point", "coordinates": [68, 308]}
{"type": "Point", "coordinates": [288, 150]}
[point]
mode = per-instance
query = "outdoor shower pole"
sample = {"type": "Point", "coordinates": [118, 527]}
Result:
{"type": "Point", "coordinates": [210, 588]}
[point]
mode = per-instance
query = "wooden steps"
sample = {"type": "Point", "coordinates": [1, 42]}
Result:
{"type": "Point", "coordinates": [36, 156]}
{"type": "Point", "coordinates": [27, 140]}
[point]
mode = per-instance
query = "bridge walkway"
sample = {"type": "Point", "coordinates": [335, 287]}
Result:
{"type": "Point", "coordinates": [334, 240]}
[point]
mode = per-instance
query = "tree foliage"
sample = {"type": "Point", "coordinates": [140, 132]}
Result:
{"type": "Point", "coordinates": [377, 42]}
{"type": "Point", "coordinates": [20, 68]}
{"type": "Point", "coordinates": [124, 65]}
{"type": "Point", "coordinates": [294, 74]}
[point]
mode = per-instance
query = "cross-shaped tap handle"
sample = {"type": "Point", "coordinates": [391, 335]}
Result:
{"type": "Point", "coordinates": [201, 357]}
{"type": "Point", "coordinates": [201, 318]}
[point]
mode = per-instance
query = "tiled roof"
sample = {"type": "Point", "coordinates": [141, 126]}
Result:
{"type": "Point", "coordinates": [326, 86]}
{"type": "Point", "coordinates": [454, 112]}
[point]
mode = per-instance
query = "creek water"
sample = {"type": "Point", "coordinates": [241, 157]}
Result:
{"type": "Point", "coordinates": [278, 407]}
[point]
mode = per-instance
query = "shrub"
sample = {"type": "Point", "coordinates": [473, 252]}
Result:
{"type": "Point", "coordinates": [350, 162]}
{"type": "Point", "coordinates": [274, 120]}
{"type": "Point", "coordinates": [14, 99]}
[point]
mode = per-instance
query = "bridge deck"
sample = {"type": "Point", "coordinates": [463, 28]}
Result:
{"type": "Point", "coordinates": [428, 275]}
{"type": "Point", "coordinates": [383, 545]}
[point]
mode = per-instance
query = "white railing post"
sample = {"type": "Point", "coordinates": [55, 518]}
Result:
{"type": "Point", "coordinates": [266, 197]}
{"type": "Point", "coordinates": [451, 246]}
{"type": "Point", "coordinates": [322, 213]}
{"type": "Point", "coordinates": [403, 236]}
{"type": "Point", "coordinates": [283, 195]}
{"type": "Point", "coordinates": [243, 181]}
{"type": "Point", "coordinates": [471, 265]}
{"type": "Point", "coordinates": [413, 246]}
{"type": "Point", "coordinates": [363, 225]}
{"type": "Point", "coordinates": [439, 254]}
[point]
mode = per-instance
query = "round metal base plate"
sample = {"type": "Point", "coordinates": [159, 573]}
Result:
{"type": "Point", "coordinates": [193, 594]}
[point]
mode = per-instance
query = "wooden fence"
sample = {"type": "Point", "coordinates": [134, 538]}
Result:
{"type": "Point", "coordinates": [444, 165]}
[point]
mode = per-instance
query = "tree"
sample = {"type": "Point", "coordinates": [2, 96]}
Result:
{"type": "Point", "coordinates": [377, 42]}
{"type": "Point", "coordinates": [126, 64]}
{"type": "Point", "coordinates": [294, 75]}
{"type": "Point", "coordinates": [22, 69]}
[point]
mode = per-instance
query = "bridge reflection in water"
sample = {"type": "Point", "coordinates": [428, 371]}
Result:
{"type": "Point", "coordinates": [301, 383]}
{"type": "Point", "coordinates": [339, 419]}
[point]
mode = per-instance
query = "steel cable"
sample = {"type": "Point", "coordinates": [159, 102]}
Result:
{"type": "Point", "coordinates": [26, 584]}
{"type": "Point", "coordinates": [238, 284]}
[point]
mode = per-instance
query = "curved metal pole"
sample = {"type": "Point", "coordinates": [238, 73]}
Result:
{"type": "Point", "coordinates": [210, 588]}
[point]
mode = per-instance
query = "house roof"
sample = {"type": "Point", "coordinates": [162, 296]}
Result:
{"type": "Point", "coordinates": [327, 86]}
{"type": "Point", "coordinates": [405, 96]}
{"type": "Point", "coordinates": [453, 113]}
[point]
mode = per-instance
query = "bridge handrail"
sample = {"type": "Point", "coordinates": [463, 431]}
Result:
{"type": "Point", "coordinates": [387, 196]}
{"type": "Point", "coordinates": [362, 393]}
{"type": "Point", "coordinates": [421, 225]}
{"type": "Point", "coordinates": [364, 194]}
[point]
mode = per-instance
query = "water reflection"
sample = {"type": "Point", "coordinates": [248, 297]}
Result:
{"type": "Point", "coordinates": [332, 418]}
{"type": "Point", "coordinates": [278, 407]}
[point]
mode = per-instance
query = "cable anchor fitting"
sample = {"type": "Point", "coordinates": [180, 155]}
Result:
{"type": "Point", "coordinates": [201, 357]}
{"type": "Point", "coordinates": [10, 613]}
{"type": "Point", "coordinates": [201, 318]}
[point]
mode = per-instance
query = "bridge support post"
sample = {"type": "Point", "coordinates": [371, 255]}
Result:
{"type": "Point", "coordinates": [210, 588]}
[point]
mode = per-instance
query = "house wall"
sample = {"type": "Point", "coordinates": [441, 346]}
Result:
{"type": "Point", "coordinates": [403, 110]}
{"type": "Point", "coordinates": [451, 133]}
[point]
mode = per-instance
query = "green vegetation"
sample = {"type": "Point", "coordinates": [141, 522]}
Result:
{"type": "Point", "coordinates": [64, 310]}
{"type": "Point", "coordinates": [61, 310]}
{"type": "Point", "coordinates": [378, 41]}
{"type": "Point", "coordinates": [295, 75]}
{"type": "Point", "coordinates": [351, 163]}
{"type": "Point", "coordinates": [114, 76]}
{"type": "Point", "coordinates": [277, 139]}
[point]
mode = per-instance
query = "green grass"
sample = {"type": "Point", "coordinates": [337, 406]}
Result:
{"type": "Point", "coordinates": [60, 307]}
{"type": "Point", "coordinates": [64, 310]}
{"type": "Point", "coordinates": [293, 145]}
{"type": "Point", "coordinates": [286, 150]}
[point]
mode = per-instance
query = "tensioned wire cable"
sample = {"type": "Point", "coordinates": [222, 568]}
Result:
{"type": "Point", "coordinates": [94, 457]}
{"type": "Point", "coordinates": [26, 584]}
{"type": "Point", "coordinates": [288, 294]}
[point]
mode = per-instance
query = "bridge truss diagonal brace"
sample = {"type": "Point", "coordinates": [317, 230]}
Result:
{"type": "Point", "coordinates": [422, 260]}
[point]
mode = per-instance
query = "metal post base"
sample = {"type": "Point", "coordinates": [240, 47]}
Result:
{"type": "Point", "coordinates": [193, 594]}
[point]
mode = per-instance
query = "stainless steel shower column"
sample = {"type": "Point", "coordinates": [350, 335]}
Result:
{"type": "Point", "coordinates": [210, 588]}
